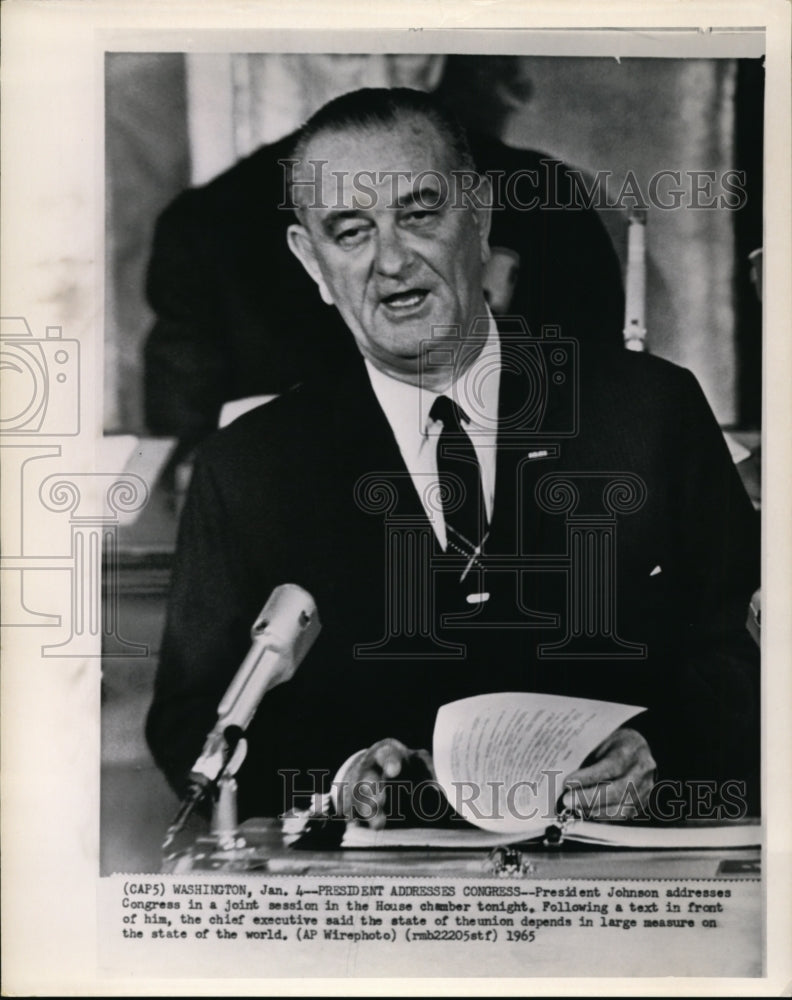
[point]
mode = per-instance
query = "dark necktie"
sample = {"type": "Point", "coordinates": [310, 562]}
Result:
{"type": "Point", "coordinates": [460, 478]}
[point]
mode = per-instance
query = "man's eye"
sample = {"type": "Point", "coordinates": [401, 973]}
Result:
{"type": "Point", "coordinates": [351, 236]}
{"type": "Point", "coordinates": [420, 216]}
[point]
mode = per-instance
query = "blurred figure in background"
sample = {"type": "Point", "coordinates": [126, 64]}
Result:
{"type": "Point", "coordinates": [236, 314]}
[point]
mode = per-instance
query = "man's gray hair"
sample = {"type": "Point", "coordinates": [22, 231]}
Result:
{"type": "Point", "coordinates": [370, 108]}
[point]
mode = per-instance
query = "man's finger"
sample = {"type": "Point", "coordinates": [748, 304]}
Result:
{"type": "Point", "coordinates": [617, 784]}
{"type": "Point", "coordinates": [367, 796]}
{"type": "Point", "coordinates": [365, 793]}
{"type": "Point", "coordinates": [610, 768]}
{"type": "Point", "coordinates": [382, 760]}
{"type": "Point", "coordinates": [625, 753]}
{"type": "Point", "coordinates": [389, 756]}
{"type": "Point", "coordinates": [622, 799]}
{"type": "Point", "coordinates": [365, 789]}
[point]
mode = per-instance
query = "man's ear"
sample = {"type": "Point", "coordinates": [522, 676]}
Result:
{"type": "Point", "coordinates": [482, 208]}
{"type": "Point", "coordinates": [301, 246]}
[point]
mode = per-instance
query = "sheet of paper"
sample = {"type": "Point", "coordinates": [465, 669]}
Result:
{"type": "Point", "coordinates": [653, 838]}
{"type": "Point", "coordinates": [459, 838]}
{"type": "Point", "coordinates": [705, 837]}
{"type": "Point", "coordinates": [501, 759]}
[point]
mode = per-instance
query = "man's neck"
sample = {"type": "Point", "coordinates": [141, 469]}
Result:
{"type": "Point", "coordinates": [437, 378]}
{"type": "Point", "coordinates": [452, 377]}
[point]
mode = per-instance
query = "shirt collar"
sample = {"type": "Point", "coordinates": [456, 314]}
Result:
{"type": "Point", "coordinates": [407, 406]}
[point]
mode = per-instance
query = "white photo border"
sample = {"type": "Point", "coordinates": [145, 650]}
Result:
{"type": "Point", "coordinates": [53, 273]}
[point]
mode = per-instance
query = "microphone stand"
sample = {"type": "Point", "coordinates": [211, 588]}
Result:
{"type": "Point", "coordinates": [224, 814]}
{"type": "Point", "coordinates": [281, 636]}
{"type": "Point", "coordinates": [224, 826]}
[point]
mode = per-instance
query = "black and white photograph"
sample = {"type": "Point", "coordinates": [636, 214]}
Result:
{"type": "Point", "coordinates": [387, 478]}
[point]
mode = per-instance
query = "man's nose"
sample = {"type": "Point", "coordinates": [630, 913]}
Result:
{"type": "Point", "coordinates": [392, 256]}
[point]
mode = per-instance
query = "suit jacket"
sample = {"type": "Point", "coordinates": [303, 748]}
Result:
{"type": "Point", "coordinates": [238, 316]}
{"type": "Point", "coordinates": [293, 492]}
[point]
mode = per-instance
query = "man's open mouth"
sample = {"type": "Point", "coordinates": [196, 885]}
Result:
{"type": "Point", "coordinates": [402, 302]}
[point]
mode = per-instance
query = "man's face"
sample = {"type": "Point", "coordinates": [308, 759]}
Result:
{"type": "Point", "coordinates": [389, 243]}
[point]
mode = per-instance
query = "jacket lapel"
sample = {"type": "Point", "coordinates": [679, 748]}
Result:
{"type": "Point", "coordinates": [526, 452]}
{"type": "Point", "coordinates": [366, 448]}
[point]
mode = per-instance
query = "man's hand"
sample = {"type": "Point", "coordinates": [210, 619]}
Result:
{"type": "Point", "coordinates": [617, 782]}
{"type": "Point", "coordinates": [366, 790]}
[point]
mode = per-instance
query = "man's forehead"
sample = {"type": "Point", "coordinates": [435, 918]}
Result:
{"type": "Point", "coordinates": [349, 164]}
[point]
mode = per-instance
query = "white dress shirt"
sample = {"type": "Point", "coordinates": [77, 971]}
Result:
{"type": "Point", "coordinates": [407, 410]}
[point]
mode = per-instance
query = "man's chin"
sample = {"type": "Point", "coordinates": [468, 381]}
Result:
{"type": "Point", "coordinates": [434, 327]}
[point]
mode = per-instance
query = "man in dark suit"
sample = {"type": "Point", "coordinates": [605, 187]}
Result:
{"type": "Point", "coordinates": [236, 317]}
{"type": "Point", "coordinates": [570, 467]}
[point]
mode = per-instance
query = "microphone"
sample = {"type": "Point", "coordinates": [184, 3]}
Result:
{"type": "Point", "coordinates": [281, 636]}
